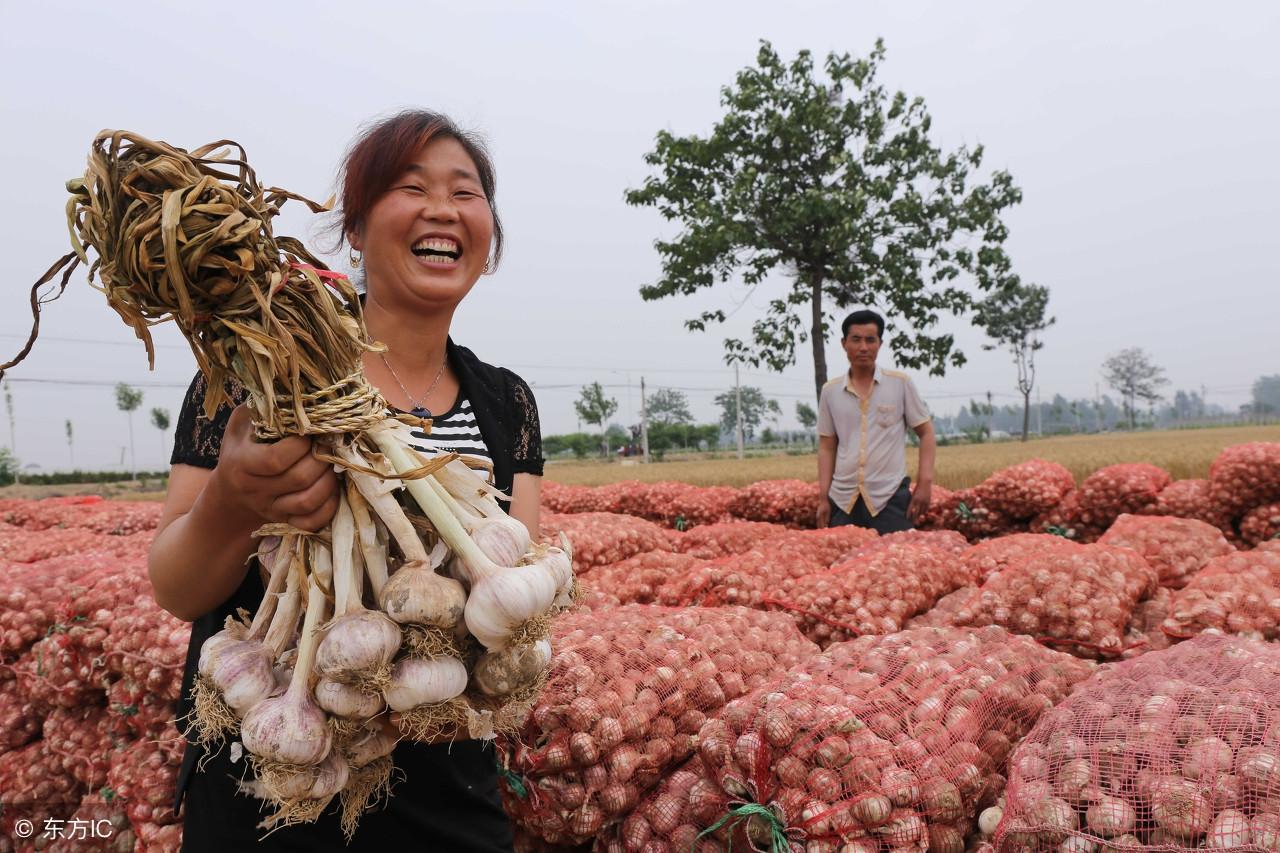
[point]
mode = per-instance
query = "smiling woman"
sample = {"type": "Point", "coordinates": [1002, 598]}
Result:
{"type": "Point", "coordinates": [418, 205]}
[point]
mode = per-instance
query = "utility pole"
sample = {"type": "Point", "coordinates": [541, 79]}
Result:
{"type": "Point", "coordinates": [1097, 405]}
{"type": "Point", "coordinates": [991, 415]}
{"type": "Point", "coordinates": [644, 422]}
{"type": "Point", "coordinates": [1039, 423]}
{"type": "Point", "coordinates": [737, 391]}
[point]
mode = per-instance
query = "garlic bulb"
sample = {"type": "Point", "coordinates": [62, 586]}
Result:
{"type": "Point", "coordinates": [425, 681]}
{"type": "Point", "coordinates": [291, 728]}
{"type": "Point", "coordinates": [318, 782]}
{"type": "Point", "coordinates": [374, 744]}
{"type": "Point", "coordinates": [504, 598]}
{"type": "Point", "coordinates": [347, 701]}
{"type": "Point", "coordinates": [243, 674]}
{"type": "Point", "coordinates": [502, 539]}
{"type": "Point", "coordinates": [503, 672]}
{"type": "Point", "coordinates": [357, 643]}
{"type": "Point", "coordinates": [416, 595]}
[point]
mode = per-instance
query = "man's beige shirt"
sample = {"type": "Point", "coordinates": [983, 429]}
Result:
{"type": "Point", "coordinates": [871, 456]}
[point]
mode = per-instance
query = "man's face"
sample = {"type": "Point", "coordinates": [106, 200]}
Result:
{"type": "Point", "coordinates": [862, 345]}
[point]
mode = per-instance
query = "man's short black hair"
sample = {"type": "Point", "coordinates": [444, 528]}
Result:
{"type": "Point", "coordinates": [862, 318]}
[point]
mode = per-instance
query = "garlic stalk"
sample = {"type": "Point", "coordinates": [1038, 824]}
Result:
{"type": "Point", "coordinates": [291, 729]}
{"type": "Point", "coordinates": [372, 549]}
{"type": "Point", "coordinates": [502, 598]}
{"type": "Point", "coordinates": [359, 643]}
{"type": "Point", "coordinates": [236, 667]}
{"type": "Point", "coordinates": [414, 594]}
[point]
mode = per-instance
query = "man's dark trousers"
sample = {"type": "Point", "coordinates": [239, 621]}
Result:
{"type": "Point", "coordinates": [891, 519]}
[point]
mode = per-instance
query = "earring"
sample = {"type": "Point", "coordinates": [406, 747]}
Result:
{"type": "Point", "coordinates": [354, 257]}
{"type": "Point", "coordinates": [488, 266]}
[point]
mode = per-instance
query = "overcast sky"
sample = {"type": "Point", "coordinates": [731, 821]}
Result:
{"type": "Point", "coordinates": [1144, 137]}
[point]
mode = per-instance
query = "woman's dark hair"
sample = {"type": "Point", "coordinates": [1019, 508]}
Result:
{"type": "Point", "coordinates": [386, 148]}
{"type": "Point", "coordinates": [862, 318]}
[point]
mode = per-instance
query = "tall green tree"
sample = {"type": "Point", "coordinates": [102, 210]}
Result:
{"type": "Point", "coordinates": [1132, 373]}
{"type": "Point", "coordinates": [594, 407]}
{"type": "Point", "coordinates": [1014, 317]}
{"type": "Point", "coordinates": [667, 406]}
{"type": "Point", "coordinates": [807, 416]}
{"type": "Point", "coordinates": [160, 420]}
{"type": "Point", "coordinates": [756, 408]}
{"type": "Point", "coordinates": [830, 180]}
{"type": "Point", "coordinates": [128, 399]}
{"type": "Point", "coordinates": [1266, 394]}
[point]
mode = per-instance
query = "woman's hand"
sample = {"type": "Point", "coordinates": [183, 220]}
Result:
{"type": "Point", "coordinates": [281, 481]}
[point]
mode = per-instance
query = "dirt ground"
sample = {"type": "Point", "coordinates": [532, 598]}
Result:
{"type": "Point", "coordinates": [143, 490]}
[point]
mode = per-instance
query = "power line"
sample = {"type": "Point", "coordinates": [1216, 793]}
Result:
{"type": "Point", "coordinates": [95, 342]}
{"type": "Point", "coordinates": [95, 383]}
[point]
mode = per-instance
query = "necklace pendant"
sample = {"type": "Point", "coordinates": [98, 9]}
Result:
{"type": "Point", "coordinates": [420, 412]}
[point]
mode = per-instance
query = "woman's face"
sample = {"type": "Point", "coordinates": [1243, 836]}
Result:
{"type": "Point", "coordinates": [426, 239]}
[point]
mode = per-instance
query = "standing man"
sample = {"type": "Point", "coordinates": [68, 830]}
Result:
{"type": "Point", "coordinates": [862, 420]}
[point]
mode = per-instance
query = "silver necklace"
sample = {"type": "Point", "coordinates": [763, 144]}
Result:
{"type": "Point", "coordinates": [415, 407]}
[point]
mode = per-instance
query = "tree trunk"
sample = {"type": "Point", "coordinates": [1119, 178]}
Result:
{"type": "Point", "coordinates": [819, 341]}
{"type": "Point", "coordinates": [1026, 413]}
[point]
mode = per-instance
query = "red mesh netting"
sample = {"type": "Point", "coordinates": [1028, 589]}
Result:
{"type": "Point", "coordinates": [748, 577]}
{"type": "Point", "coordinates": [1129, 487]}
{"type": "Point", "coordinates": [872, 594]}
{"type": "Point", "coordinates": [1027, 489]}
{"type": "Point", "coordinates": [1145, 631]}
{"type": "Point", "coordinates": [28, 546]}
{"type": "Point", "coordinates": [153, 838]}
{"type": "Point", "coordinates": [19, 718]}
{"type": "Point", "coordinates": [117, 518]}
{"type": "Point", "coordinates": [677, 505]}
{"type": "Point", "coordinates": [1079, 597]}
{"type": "Point", "coordinates": [933, 518]}
{"type": "Point", "coordinates": [83, 740]}
{"type": "Point", "coordinates": [140, 712]}
{"type": "Point", "coordinates": [986, 558]}
{"type": "Point", "coordinates": [626, 696]}
{"type": "Point", "coordinates": [1260, 524]}
{"type": "Point", "coordinates": [36, 786]}
{"type": "Point", "coordinates": [1175, 750]}
{"type": "Point", "coordinates": [890, 742]}
{"type": "Point", "coordinates": [1067, 521]}
{"type": "Point", "coordinates": [593, 599]}
{"type": "Point", "coordinates": [1246, 476]}
{"type": "Point", "coordinates": [1176, 548]}
{"type": "Point", "coordinates": [636, 580]}
{"type": "Point", "coordinates": [148, 646]}
{"type": "Point", "coordinates": [600, 538]}
{"type": "Point", "coordinates": [98, 824]}
{"type": "Point", "coordinates": [1190, 499]}
{"type": "Point", "coordinates": [964, 511]}
{"type": "Point", "coordinates": [1237, 594]}
{"type": "Point", "coordinates": [57, 591]}
{"type": "Point", "coordinates": [145, 777]}
{"type": "Point", "coordinates": [720, 540]}
{"type": "Point", "coordinates": [940, 540]}
{"type": "Point", "coordinates": [790, 502]}
{"type": "Point", "coordinates": [943, 614]}
{"type": "Point", "coordinates": [561, 497]}
{"type": "Point", "coordinates": [66, 668]}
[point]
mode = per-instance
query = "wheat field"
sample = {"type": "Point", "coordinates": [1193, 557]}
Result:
{"type": "Point", "coordinates": [1184, 453]}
